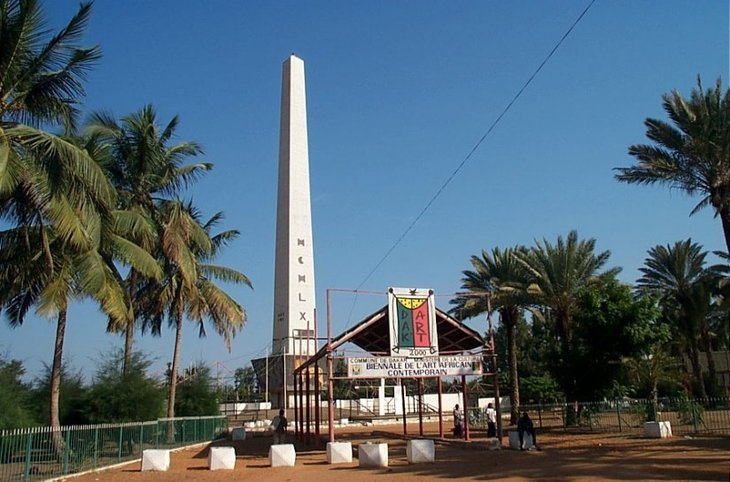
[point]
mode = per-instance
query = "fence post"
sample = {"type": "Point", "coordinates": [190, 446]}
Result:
{"type": "Point", "coordinates": [66, 450]}
{"type": "Point", "coordinates": [618, 415]}
{"type": "Point", "coordinates": [28, 451]}
{"type": "Point", "coordinates": [96, 443]}
{"type": "Point", "coordinates": [141, 437]}
{"type": "Point", "coordinates": [119, 451]}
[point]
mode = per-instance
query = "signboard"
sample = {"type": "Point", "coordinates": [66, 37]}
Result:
{"type": "Point", "coordinates": [404, 367]}
{"type": "Point", "coordinates": [412, 323]}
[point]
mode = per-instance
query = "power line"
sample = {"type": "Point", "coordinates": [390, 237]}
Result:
{"type": "Point", "coordinates": [473, 150]}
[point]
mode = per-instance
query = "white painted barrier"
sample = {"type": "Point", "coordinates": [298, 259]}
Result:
{"type": "Point", "coordinates": [339, 452]}
{"type": "Point", "coordinates": [282, 455]}
{"type": "Point", "coordinates": [222, 458]}
{"type": "Point", "coordinates": [155, 459]}
{"type": "Point", "coordinates": [514, 440]}
{"type": "Point", "coordinates": [658, 429]}
{"type": "Point", "coordinates": [420, 451]}
{"type": "Point", "coordinates": [372, 455]}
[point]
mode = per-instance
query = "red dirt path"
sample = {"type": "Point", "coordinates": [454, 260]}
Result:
{"type": "Point", "coordinates": [565, 457]}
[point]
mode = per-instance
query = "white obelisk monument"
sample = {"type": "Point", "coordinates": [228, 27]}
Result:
{"type": "Point", "coordinates": [294, 295]}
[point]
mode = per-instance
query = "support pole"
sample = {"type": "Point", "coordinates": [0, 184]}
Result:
{"type": "Point", "coordinates": [495, 377]}
{"type": "Point", "coordinates": [301, 403]}
{"type": "Point", "coordinates": [466, 409]}
{"type": "Point", "coordinates": [317, 400]}
{"type": "Point", "coordinates": [420, 406]}
{"type": "Point", "coordinates": [308, 402]}
{"type": "Point", "coordinates": [330, 374]}
{"type": "Point", "coordinates": [403, 402]}
{"type": "Point", "coordinates": [441, 411]}
{"type": "Point", "coordinates": [296, 412]}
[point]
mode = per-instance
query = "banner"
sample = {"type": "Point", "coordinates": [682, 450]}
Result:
{"type": "Point", "coordinates": [403, 367]}
{"type": "Point", "coordinates": [412, 323]}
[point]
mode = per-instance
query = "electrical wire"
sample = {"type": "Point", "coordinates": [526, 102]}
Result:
{"type": "Point", "coordinates": [473, 150]}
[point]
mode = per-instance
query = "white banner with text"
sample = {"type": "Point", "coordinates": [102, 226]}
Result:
{"type": "Point", "coordinates": [402, 367]}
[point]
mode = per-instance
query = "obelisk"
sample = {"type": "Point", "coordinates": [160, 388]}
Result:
{"type": "Point", "coordinates": [294, 295]}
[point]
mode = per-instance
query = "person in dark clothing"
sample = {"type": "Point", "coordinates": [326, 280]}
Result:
{"type": "Point", "coordinates": [279, 424]}
{"type": "Point", "coordinates": [524, 424]}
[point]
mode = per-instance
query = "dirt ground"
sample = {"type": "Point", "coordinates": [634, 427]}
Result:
{"type": "Point", "coordinates": [564, 457]}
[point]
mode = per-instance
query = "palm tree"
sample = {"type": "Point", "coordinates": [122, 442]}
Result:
{"type": "Point", "coordinates": [145, 169]}
{"type": "Point", "coordinates": [556, 273]}
{"type": "Point", "coordinates": [692, 154]}
{"type": "Point", "coordinates": [187, 288]}
{"type": "Point", "coordinates": [677, 274]}
{"type": "Point", "coordinates": [504, 278]}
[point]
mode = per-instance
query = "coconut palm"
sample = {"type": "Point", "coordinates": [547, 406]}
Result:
{"type": "Point", "coordinates": [186, 289]}
{"type": "Point", "coordinates": [692, 153]}
{"type": "Point", "coordinates": [500, 275]}
{"type": "Point", "coordinates": [41, 82]}
{"type": "Point", "coordinates": [677, 274]}
{"type": "Point", "coordinates": [145, 169]}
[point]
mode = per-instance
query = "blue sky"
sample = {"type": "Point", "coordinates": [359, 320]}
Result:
{"type": "Point", "coordinates": [398, 93]}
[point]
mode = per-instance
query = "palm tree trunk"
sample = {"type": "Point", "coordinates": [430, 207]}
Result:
{"type": "Point", "coordinates": [55, 389]}
{"type": "Point", "coordinates": [128, 341]}
{"type": "Point", "coordinates": [711, 370]}
{"type": "Point", "coordinates": [696, 368]}
{"type": "Point", "coordinates": [173, 369]}
{"type": "Point", "coordinates": [725, 218]}
{"type": "Point", "coordinates": [129, 331]}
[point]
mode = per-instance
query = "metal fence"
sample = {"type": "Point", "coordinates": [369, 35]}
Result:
{"type": "Point", "coordinates": [40, 453]}
{"type": "Point", "coordinates": [686, 416]}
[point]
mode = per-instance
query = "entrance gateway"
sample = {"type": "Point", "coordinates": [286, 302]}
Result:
{"type": "Point", "coordinates": [409, 338]}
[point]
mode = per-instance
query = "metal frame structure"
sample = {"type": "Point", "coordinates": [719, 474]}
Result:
{"type": "Point", "coordinates": [372, 335]}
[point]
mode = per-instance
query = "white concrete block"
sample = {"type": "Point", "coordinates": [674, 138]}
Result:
{"type": "Point", "coordinates": [420, 451]}
{"type": "Point", "coordinates": [339, 452]}
{"type": "Point", "coordinates": [658, 429]}
{"type": "Point", "coordinates": [282, 455]}
{"type": "Point", "coordinates": [238, 433]}
{"type": "Point", "coordinates": [373, 455]}
{"type": "Point", "coordinates": [344, 421]}
{"type": "Point", "coordinates": [155, 459]}
{"type": "Point", "coordinates": [514, 440]}
{"type": "Point", "coordinates": [222, 458]}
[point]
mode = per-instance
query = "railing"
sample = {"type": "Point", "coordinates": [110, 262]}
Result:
{"type": "Point", "coordinates": [41, 453]}
{"type": "Point", "coordinates": [709, 416]}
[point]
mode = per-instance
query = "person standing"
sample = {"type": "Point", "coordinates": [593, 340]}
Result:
{"type": "Point", "coordinates": [491, 415]}
{"type": "Point", "coordinates": [458, 422]}
{"type": "Point", "coordinates": [280, 424]}
{"type": "Point", "coordinates": [524, 424]}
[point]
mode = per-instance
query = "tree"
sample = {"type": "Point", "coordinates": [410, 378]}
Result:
{"type": "Point", "coordinates": [610, 324]}
{"type": "Point", "coordinates": [556, 273]}
{"type": "Point", "coordinates": [500, 275]}
{"type": "Point", "coordinates": [145, 169]}
{"type": "Point", "coordinates": [116, 395]}
{"type": "Point", "coordinates": [41, 266]}
{"type": "Point", "coordinates": [72, 399]}
{"type": "Point", "coordinates": [197, 397]}
{"type": "Point", "coordinates": [186, 289]}
{"type": "Point", "coordinates": [15, 396]}
{"type": "Point", "coordinates": [245, 382]}
{"type": "Point", "coordinates": [692, 153]}
{"type": "Point", "coordinates": [676, 274]}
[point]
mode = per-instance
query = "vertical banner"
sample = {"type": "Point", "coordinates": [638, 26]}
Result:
{"type": "Point", "coordinates": [412, 322]}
